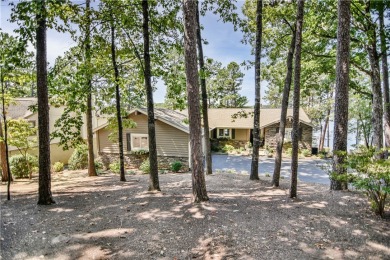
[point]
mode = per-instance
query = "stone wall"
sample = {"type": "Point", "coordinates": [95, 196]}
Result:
{"type": "Point", "coordinates": [133, 161]}
{"type": "Point", "coordinates": [304, 143]}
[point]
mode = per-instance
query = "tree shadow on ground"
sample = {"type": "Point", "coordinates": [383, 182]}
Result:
{"type": "Point", "coordinates": [103, 218]}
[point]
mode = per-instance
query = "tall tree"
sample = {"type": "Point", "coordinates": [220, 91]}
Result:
{"type": "Point", "coordinates": [91, 156]}
{"type": "Point", "coordinates": [44, 191]}
{"type": "Point", "coordinates": [256, 116]}
{"type": "Point", "coordinates": [296, 100]}
{"type": "Point", "coordinates": [118, 101]}
{"type": "Point", "coordinates": [153, 177]}
{"type": "Point", "coordinates": [340, 131]}
{"type": "Point", "coordinates": [283, 113]}
{"type": "Point", "coordinates": [385, 73]}
{"type": "Point", "coordinates": [5, 159]}
{"type": "Point", "coordinates": [206, 130]}
{"type": "Point", "coordinates": [192, 81]}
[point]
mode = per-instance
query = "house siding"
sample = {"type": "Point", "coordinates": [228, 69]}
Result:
{"type": "Point", "coordinates": [169, 140]}
{"type": "Point", "coordinates": [305, 142]}
{"type": "Point", "coordinates": [242, 134]}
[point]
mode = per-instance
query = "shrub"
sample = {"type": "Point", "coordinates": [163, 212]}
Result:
{"type": "Point", "coordinates": [115, 167]}
{"type": "Point", "coordinates": [58, 167]}
{"type": "Point", "coordinates": [228, 148]}
{"type": "Point", "coordinates": [145, 166]}
{"type": "Point", "coordinates": [367, 172]}
{"type": "Point", "coordinates": [306, 152]}
{"type": "Point", "coordinates": [289, 152]}
{"type": "Point", "coordinates": [176, 166]}
{"type": "Point", "coordinates": [139, 152]}
{"type": "Point", "coordinates": [98, 165]}
{"type": "Point", "coordinates": [79, 158]}
{"type": "Point", "coordinates": [21, 166]}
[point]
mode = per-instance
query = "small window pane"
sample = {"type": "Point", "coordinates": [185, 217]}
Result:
{"type": "Point", "coordinates": [220, 132]}
{"type": "Point", "coordinates": [144, 142]}
{"type": "Point", "coordinates": [137, 142]}
{"type": "Point", "coordinates": [226, 132]}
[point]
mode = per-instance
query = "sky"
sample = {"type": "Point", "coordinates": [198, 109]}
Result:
{"type": "Point", "coordinates": [224, 46]}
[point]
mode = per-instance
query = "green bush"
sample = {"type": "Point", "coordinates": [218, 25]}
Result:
{"type": "Point", "coordinates": [176, 166]}
{"type": "Point", "coordinates": [98, 165]}
{"type": "Point", "coordinates": [306, 152]}
{"type": "Point", "coordinates": [79, 158]}
{"type": "Point", "coordinates": [289, 152]}
{"type": "Point", "coordinates": [58, 167]}
{"type": "Point", "coordinates": [115, 167]}
{"type": "Point", "coordinates": [19, 166]}
{"type": "Point", "coordinates": [145, 166]}
{"type": "Point", "coordinates": [139, 152]}
{"type": "Point", "coordinates": [368, 173]}
{"type": "Point", "coordinates": [228, 148]}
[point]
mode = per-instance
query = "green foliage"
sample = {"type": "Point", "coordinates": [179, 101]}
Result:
{"type": "Point", "coordinates": [306, 152]}
{"type": "Point", "coordinates": [369, 173]}
{"type": "Point", "coordinates": [113, 127]}
{"type": "Point", "coordinates": [22, 166]}
{"type": "Point", "coordinates": [98, 165]}
{"type": "Point", "coordinates": [58, 167]}
{"type": "Point", "coordinates": [227, 148]}
{"type": "Point", "coordinates": [21, 135]}
{"type": "Point", "coordinates": [115, 167]}
{"type": "Point", "coordinates": [139, 152]}
{"type": "Point", "coordinates": [79, 158]}
{"type": "Point", "coordinates": [289, 152]}
{"type": "Point", "coordinates": [145, 166]}
{"type": "Point", "coordinates": [176, 166]}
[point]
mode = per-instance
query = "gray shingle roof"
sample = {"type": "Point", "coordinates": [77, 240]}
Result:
{"type": "Point", "coordinates": [19, 108]}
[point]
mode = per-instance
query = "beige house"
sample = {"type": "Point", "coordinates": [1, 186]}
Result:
{"type": "Point", "coordinates": [172, 138]}
{"type": "Point", "coordinates": [237, 124]}
{"type": "Point", "coordinates": [20, 109]}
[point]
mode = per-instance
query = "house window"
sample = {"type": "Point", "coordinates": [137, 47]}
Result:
{"type": "Point", "coordinates": [288, 135]}
{"type": "Point", "coordinates": [224, 132]}
{"type": "Point", "coordinates": [139, 142]}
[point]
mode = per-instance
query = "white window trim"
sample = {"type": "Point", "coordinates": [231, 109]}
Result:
{"type": "Point", "coordinates": [132, 143]}
{"type": "Point", "coordinates": [224, 136]}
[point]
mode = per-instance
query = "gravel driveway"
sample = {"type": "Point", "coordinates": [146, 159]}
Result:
{"type": "Point", "coordinates": [309, 170]}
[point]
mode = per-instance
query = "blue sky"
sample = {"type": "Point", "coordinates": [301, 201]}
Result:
{"type": "Point", "coordinates": [224, 46]}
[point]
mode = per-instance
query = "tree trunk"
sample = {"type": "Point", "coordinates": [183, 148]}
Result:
{"type": "Point", "coordinates": [256, 120]}
{"type": "Point", "coordinates": [385, 71]}
{"type": "Point", "coordinates": [153, 177]}
{"type": "Point", "coordinates": [45, 196]}
{"type": "Point", "coordinates": [283, 115]}
{"type": "Point", "coordinates": [198, 179]}
{"type": "Point", "coordinates": [377, 105]}
{"type": "Point", "coordinates": [118, 103]}
{"type": "Point", "coordinates": [3, 153]}
{"type": "Point", "coordinates": [296, 100]}
{"type": "Point", "coordinates": [323, 134]}
{"type": "Point", "coordinates": [91, 156]}
{"type": "Point", "coordinates": [340, 132]}
{"type": "Point", "coordinates": [206, 130]}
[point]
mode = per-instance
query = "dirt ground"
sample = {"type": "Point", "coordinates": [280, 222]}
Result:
{"type": "Point", "coordinates": [103, 218]}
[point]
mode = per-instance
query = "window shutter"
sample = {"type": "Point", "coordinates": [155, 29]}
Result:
{"type": "Point", "coordinates": [214, 133]}
{"type": "Point", "coordinates": [277, 129]}
{"type": "Point", "coordinates": [233, 133]}
{"type": "Point", "coordinates": [128, 140]}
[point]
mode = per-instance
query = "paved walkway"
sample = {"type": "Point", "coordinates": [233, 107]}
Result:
{"type": "Point", "coordinates": [309, 170]}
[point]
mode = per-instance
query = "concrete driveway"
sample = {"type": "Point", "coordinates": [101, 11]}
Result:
{"type": "Point", "coordinates": [309, 170]}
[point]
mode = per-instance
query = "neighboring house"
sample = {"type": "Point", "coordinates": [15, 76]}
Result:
{"type": "Point", "coordinates": [19, 109]}
{"type": "Point", "coordinates": [172, 138]}
{"type": "Point", "coordinates": [222, 125]}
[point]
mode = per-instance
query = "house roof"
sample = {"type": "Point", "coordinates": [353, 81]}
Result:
{"type": "Point", "coordinates": [222, 117]}
{"type": "Point", "coordinates": [170, 117]}
{"type": "Point", "coordinates": [19, 108]}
